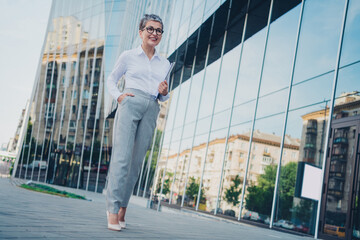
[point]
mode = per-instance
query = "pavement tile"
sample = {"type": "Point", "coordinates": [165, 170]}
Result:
{"type": "Point", "coordinates": [26, 214]}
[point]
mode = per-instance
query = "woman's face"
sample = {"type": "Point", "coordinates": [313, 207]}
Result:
{"type": "Point", "coordinates": [151, 39]}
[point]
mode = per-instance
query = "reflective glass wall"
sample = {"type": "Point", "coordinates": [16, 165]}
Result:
{"type": "Point", "coordinates": [255, 104]}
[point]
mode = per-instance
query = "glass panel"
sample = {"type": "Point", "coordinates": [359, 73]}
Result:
{"type": "Point", "coordinates": [180, 112]}
{"type": "Point", "coordinates": [347, 99]}
{"type": "Point", "coordinates": [172, 109]}
{"type": "Point", "coordinates": [174, 28]}
{"type": "Point", "coordinates": [308, 112]}
{"type": "Point", "coordinates": [197, 155]}
{"type": "Point", "coordinates": [351, 47]}
{"type": "Point", "coordinates": [273, 96]}
{"type": "Point", "coordinates": [340, 179]}
{"type": "Point", "coordinates": [248, 83]}
{"type": "Point", "coordinates": [319, 38]}
{"type": "Point", "coordinates": [306, 125]}
{"type": "Point", "coordinates": [203, 126]}
{"type": "Point", "coordinates": [181, 171]}
{"type": "Point", "coordinates": [355, 228]}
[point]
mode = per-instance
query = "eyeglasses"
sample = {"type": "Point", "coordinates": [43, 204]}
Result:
{"type": "Point", "coordinates": [150, 30]}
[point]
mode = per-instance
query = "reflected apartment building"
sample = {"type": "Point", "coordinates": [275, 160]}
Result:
{"type": "Point", "coordinates": [265, 150]}
{"type": "Point", "coordinates": [259, 88]}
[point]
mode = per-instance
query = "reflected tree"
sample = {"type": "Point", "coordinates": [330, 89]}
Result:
{"type": "Point", "coordinates": [233, 192]}
{"type": "Point", "coordinates": [287, 190]}
{"type": "Point", "coordinates": [166, 188]}
{"type": "Point", "coordinates": [193, 189]}
{"type": "Point", "coordinates": [260, 196]}
{"type": "Point", "coordinates": [303, 210]}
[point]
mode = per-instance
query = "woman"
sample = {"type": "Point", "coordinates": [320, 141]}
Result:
{"type": "Point", "coordinates": [135, 119]}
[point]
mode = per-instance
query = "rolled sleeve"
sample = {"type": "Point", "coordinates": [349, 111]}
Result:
{"type": "Point", "coordinates": [164, 98]}
{"type": "Point", "coordinates": [114, 77]}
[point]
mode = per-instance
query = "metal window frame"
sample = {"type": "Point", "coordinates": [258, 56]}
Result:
{"type": "Point", "coordinates": [328, 127]}
{"type": "Point", "coordinates": [232, 109]}
{"type": "Point", "coordinates": [275, 193]}
{"type": "Point", "coordinates": [255, 111]}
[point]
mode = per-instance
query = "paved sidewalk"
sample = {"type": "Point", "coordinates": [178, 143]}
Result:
{"type": "Point", "coordinates": [26, 214]}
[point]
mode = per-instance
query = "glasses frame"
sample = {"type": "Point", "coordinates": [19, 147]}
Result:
{"type": "Point", "coordinates": [150, 30]}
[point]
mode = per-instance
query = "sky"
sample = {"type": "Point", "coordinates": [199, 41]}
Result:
{"type": "Point", "coordinates": [22, 31]}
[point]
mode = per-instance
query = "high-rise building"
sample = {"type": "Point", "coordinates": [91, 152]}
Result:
{"type": "Point", "coordinates": [260, 87]}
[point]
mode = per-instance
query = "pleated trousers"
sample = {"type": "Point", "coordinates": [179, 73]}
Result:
{"type": "Point", "coordinates": [134, 124]}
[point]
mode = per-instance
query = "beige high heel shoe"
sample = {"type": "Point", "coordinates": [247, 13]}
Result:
{"type": "Point", "coordinates": [122, 224]}
{"type": "Point", "coordinates": [113, 227]}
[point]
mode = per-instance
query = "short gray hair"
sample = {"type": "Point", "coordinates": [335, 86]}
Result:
{"type": "Point", "coordinates": [150, 17]}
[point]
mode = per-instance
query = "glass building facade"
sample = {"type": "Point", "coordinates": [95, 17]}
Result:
{"type": "Point", "coordinates": [262, 91]}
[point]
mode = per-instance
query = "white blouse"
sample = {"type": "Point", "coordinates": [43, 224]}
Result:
{"type": "Point", "coordinates": [140, 73]}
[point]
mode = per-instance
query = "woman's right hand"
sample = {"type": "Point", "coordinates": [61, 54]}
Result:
{"type": "Point", "coordinates": [122, 96]}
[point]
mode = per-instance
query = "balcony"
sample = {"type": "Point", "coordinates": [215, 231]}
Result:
{"type": "Point", "coordinates": [311, 130]}
{"type": "Point", "coordinates": [341, 140]}
{"type": "Point", "coordinates": [309, 145]}
{"type": "Point", "coordinates": [267, 160]}
{"type": "Point", "coordinates": [48, 115]}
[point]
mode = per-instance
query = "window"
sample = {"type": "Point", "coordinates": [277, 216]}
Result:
{"type": "Point", "coordinates": [211, 158]}
{"type": "Point", "coordinates": [73, 109]}
{"type": "Point", "coordinates": [72, 124]}
{"type": "Point", "coordinates": [86, 94]}
{"type": "Point", "coordinates": [86, 80]}
{"type": "Point", "coordinates": [267, 160]}
{"type": "Point", "coordinates": [241, 155]}
{"type": "Point", "coordinates": [266, 150]}
{"type": "Point", "coordinates": [230, 155]}
{"type": "Point", "coordinates": [71, 138]}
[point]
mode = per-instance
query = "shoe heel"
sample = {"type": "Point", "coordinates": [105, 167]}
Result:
{"type": "Point", "coordinates": [113, 227]}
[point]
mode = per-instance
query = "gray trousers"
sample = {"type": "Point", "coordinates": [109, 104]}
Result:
{"type": "Point", "coordinates": [134, 124]}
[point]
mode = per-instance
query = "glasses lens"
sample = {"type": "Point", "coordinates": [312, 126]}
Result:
{"type": "Point", "coordinates": [159, 31]}
{"type": "Point", "coordinates": [150, 29]}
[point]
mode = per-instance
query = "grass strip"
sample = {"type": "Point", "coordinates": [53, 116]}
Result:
{"type": "Point", "coordinates": [50, 190]}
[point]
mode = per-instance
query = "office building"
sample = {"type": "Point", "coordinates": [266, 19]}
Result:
{"type": "Point", "coordinates": [260, 87]}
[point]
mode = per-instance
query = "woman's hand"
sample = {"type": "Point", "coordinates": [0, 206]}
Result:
{"type": "Point", "coordinates": [163, 88]}
{"type": "Point", "coordinates": [122, 96]}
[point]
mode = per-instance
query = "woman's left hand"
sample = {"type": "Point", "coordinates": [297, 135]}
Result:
{"type": "Point", "coordinates": [163, 88]}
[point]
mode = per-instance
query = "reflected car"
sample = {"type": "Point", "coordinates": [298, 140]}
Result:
{"type": "Point", "coordinates": [253, 216]}
{"type": "Point", "coordinates": [356, 233]}
{"type": "Point", "coordinates": [334, 230]}
{"type": "Point", "coordinates": [229, 212]}
{"type": "Point", "coordinates": [301, 228]}
{"type": "Point", "coordinates": [265, 219]}
{"type": "Point", "coordinates": [219, 211]}
{"type": "Point", "coordinates": [284, 224]}
{"type": "Point", "coordinates": [103, 168]}
{"type": "Point", "coordinates": [36, 164]}
{"type": "Point", "coordinates": [87, 168]}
